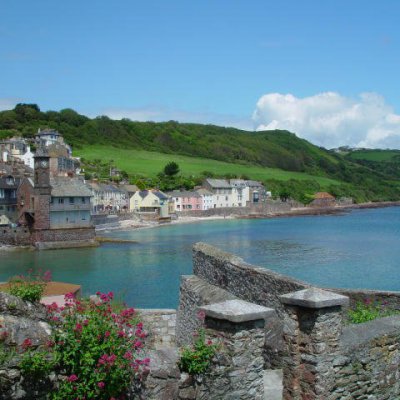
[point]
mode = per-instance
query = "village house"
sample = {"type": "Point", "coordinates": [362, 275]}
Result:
{"type": "Point", "coordinates": [130, 190]}
{"type": "Point", "coordinates": [16, 148]}
{"type": "Point", "coordinates": [223, 192]}
{"type": "Point", "coordinates": [108, 198]}
{"type": "Point", "coordinates": [47, 137]}
{"type": "Point", "coordinates": [150, 201]}
{"type": "Point", "coordinates": [323, 199]}
{"type": "Point", "coordinates": [8, 197]}
{"type": "Point", "coordinates": [207, 198]}
{"type": "Point", "coordinates": [249, 192]}
{"type": "Point", "coordinates": [186, 200]}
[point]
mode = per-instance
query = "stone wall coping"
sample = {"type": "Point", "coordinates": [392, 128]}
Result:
{"type": "Point", "coordinates": [314, 298]}
{"type": "Point", "coordinates": [356, 335]}
{"type": "Point", "coordinates": [237, 311]}
{"type": "Point", "coordinates": [224, 257]}
{"type": "Point", "coordinates": [156, 311]}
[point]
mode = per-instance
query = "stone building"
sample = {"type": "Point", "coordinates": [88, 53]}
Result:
{"type": "Point", "coordinates": [323, 199]}
{"type": "Point", "coordinates": [8, 196]}
{"type": "Point", "coordinates": [56, 209]}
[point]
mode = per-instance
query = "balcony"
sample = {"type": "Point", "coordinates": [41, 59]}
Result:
{"type": "Point", "coordinates": [70, 207]}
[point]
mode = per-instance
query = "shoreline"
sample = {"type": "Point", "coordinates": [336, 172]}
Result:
{"type": "Point", "coordinates": [295, 212]}
{"type": "Point", "coordinates": [128, 225]}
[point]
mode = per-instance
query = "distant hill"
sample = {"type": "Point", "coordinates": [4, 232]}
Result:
{"type": "Point", "coordinates": [273, 149]}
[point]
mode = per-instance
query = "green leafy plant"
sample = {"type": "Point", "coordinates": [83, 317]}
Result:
{"type": "Point", "coordinates": [93, 346]}
{"type": "Point", "coordinates": [368, 311]}
{"type": "Point", "coordinates": [29, 287]}
{"type": "Point", "coordinates": [37, 363]}
{"type": "Point", "coordinates": [197, 358]}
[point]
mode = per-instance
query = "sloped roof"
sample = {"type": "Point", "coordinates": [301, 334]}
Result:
{"type": "Point", "coordinates": [130, 188]}
{"type": "Point", "coordinates": [323, 195]}
{"type": "Point", "coordinates": [204, 192]}
{"type": "Point", "coordinates": [219, 183]}
{"type": "Point", "coordinates": [68, 187]}
{"type": "Point", "coordinates": [158, 193]}
{"type": "Point", "coordinates": [184, 193]}
{"type": "Point", "coordinates": [4, 182]}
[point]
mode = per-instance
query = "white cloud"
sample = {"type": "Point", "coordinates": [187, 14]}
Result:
{"type": "Point", "coordinates": [331, 120]}
{"type": "Point", "coordinates": [158, 114]}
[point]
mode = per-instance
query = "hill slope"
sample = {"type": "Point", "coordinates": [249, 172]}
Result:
{"type": "Point", "coordinates": [272, 149]}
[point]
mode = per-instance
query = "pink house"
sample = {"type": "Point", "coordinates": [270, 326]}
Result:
{"type": "Point", "coordinates": [186, 201]}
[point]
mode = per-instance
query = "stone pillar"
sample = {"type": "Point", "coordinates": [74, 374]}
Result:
{"type": "Point", "coordinates": [238, 371]}
{"type": "Point", "coordinates": [312, 329]}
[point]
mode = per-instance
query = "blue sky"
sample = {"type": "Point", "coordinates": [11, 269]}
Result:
{"type": "Point", "coordinates": [326, 69]}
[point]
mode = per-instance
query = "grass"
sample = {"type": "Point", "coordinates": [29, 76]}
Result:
{"type": "Point", "coordinates": [147, 163]}
{"type": "Point", "coordinates": [374, 155]}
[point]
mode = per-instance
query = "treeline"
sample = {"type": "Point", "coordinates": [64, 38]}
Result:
{"type": "Point", "coordinates": [277, 149]}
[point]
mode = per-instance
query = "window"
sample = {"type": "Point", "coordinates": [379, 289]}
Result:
{"type": "Point", "coordinates": [83, 200]}
{"type": "Point", "coordinates": [71, 200]}
{"type": "Point", "coordinates": [2, 195]}
{"type": "Point", "coordinates": [13, 194]}
{"type": "Point", "coordinates": [60, 200]}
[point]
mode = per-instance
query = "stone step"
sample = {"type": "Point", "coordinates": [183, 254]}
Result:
{"type": "Point", "coordinates": [273, 384]}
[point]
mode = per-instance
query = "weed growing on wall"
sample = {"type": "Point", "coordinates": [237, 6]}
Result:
{"type": "Point", "coordinates": [196, 359]}
{"type": "Point", "coordinates": [369, 310]}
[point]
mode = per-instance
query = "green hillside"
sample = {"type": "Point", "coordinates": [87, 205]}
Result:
{"type": "Point", "coordinates": [147, 163]}
{"type": "Point", "coordinates": [285, 161]}
{"type": "Point", "coordinates": [375, 155]}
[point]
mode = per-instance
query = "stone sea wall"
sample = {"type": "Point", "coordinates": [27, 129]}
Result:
{"type": "Point", "coordinates": [322, 356]}
{"type": "Point", "coordinates": [247, 282]}
{"type": "Point", "coordinates": [19, 236]}
{"type": "Point", "coordinates": [268, 208]}
{"type": "Point", "coordinates": [369, 362]}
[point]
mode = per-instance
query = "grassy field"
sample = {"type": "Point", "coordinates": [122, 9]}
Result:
{"type": "Point", "coordinates": [374, 155]}
{"type": "Point", "coordinates": [146, 163]}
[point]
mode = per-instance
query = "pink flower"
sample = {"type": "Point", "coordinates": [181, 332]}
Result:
{"type": "Point", "coordinates": [201, 315]}
{"type": "Point", "coordinates": [72, 378]}
{"type": "Point", "coordinates": [26, 344]}
{"type": "Point", "coordinates": [107, 333]}
{"type": "Point", "coordinates": [69, 296]}
{"type": "Point", "coordinates": [47, 276]}
{"type": "Point", "coordinates": [101, 385]}
{"type": "Point", "coordinates": [78, 327]}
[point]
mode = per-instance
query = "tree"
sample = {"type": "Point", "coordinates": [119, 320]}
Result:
{"type": "Point", "coordinates": [171, 169]}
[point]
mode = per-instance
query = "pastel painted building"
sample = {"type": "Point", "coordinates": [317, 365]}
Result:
{"type": "Point", "coordinates": [224, 195]}
{"type": "Point", "coordinates": [150, 201]}
{"type": "Point", "coordinates": [187, 200]}
{"type": "Point", "coordinates": [108, 198]}
{"type": "Point", "coordinates": [207, 198]}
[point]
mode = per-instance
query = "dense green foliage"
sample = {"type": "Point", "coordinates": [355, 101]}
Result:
{"type": "Point", "coordinates": [29, 287]}
{"type": "Point", "coordinates": [273, 149]}
{"type": "Point", "coordinates": [368, 311]}
{"type": "Point", "coordinates": [93, 346]}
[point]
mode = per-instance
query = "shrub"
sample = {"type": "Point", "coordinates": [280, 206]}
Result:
{"type": "Point", "coordinates": [29, 287]}
{"type": "Point", "coordinates": [368, 311]}
{"type": "Point", "coordinates": [197, 358]}
{"type": "Point", "coordinates": [94, 347]}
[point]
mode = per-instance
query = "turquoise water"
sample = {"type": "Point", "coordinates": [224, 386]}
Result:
{"type": "Point", "coordinates": [356, 250]}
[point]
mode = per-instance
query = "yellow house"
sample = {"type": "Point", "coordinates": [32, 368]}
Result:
{"type": "Point", "coordinates": [153, 201]}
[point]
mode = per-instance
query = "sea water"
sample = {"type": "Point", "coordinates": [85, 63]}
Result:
{"type": "Point", "coordinates": [360, 249]}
